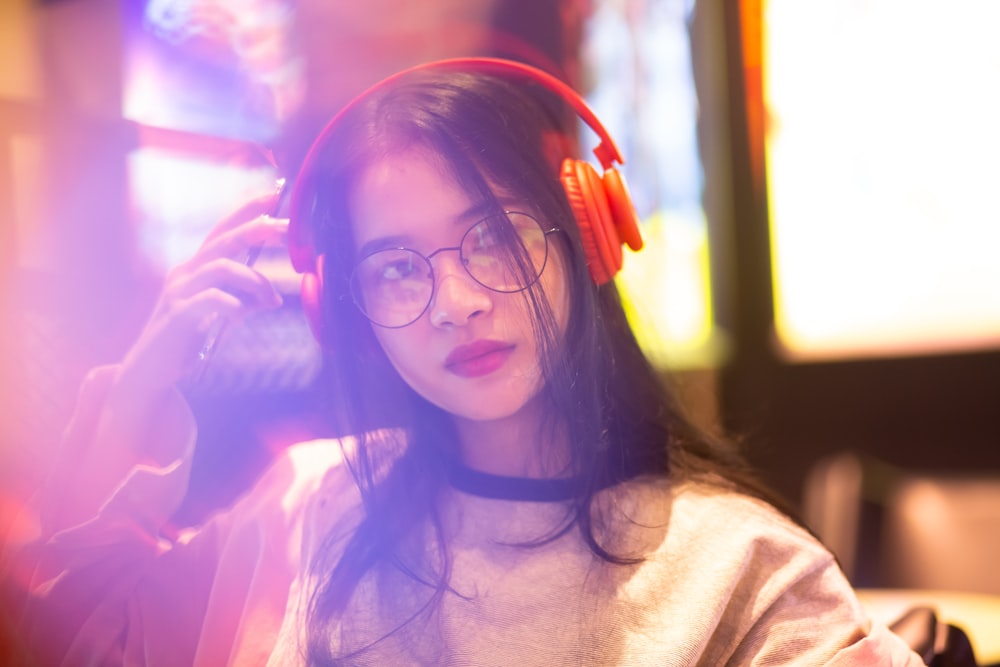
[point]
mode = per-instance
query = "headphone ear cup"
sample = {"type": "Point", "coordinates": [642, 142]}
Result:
{"type": "Point", "coordinates": [589, 203]}
{"type": "Point", "coordinates": [622, 209]}
{"type": "Point", "coordinates": [311, 292]}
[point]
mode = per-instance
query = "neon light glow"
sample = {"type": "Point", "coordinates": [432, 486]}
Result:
{"type": "Point", "coordinates": [178, 198]}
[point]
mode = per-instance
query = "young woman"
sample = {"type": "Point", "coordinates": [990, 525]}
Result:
{"type": "Point", "coordinates": [521, 488]}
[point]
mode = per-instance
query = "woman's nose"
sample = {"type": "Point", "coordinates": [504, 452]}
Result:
{"type": "Point", "coordinates": [457, 297]}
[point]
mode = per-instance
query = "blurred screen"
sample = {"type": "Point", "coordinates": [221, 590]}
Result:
{"type": "Point", "coordinates": [208, 84]}
{"type": "Point", "coordinates": [217, 67]}
{"type": "Point", "coordinates": [882, 152]}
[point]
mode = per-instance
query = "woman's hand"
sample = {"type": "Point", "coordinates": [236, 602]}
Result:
{"type": "Point", "coordinates": [215, 285]}
{"type": "Point", "coordinates": [143, 419]}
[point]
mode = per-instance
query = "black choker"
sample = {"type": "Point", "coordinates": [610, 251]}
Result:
{"type": "Point", "coordinates": [501, 487]}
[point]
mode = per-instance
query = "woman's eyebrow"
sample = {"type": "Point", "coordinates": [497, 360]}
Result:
{"type": "Point", "coordinates": [474, 213]}
{"type": "Point", "coordinates": [484, 209]}
{"type": "Point", "coordinates": [477, 212]}
{"type": "Point", "coordinates": [383, 242]}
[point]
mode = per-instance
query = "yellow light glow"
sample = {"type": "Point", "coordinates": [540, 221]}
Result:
{"type": "Point", "coordinates": [21, 76]}
{"type": "Point", "coordinates": [667, 293]}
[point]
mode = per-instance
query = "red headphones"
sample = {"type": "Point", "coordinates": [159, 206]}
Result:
{"type": "Point", "coordinates": [601, 203]}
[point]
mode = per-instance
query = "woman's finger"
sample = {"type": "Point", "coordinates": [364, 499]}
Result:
{"type": "Point", "coordinates": [238, 279]}
{"type": "Point", "coordinates": [255, 208]}
{"type": "Point", "coordinates": [168, 345]}
{"type": "Point", "coordinates": [215, 284]}
{"type": "Point", "coordinates": [236, 242]}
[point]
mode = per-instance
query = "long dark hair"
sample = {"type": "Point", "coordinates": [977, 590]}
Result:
{"type": "Point", "coordinates": [498, 138]}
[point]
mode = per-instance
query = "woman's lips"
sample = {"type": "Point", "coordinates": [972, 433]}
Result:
{"type": "Point", "coordinates": [478, 358]}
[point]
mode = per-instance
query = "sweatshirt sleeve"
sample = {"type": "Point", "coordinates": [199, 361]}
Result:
{"type": "Point", "coordinates": [800, 607]}
{"type": "Point", "coordinates": [107, 580]}
{"type": "Point", "coordinates": [96, 525]}
{"type": "Point", "coordinates": [766, 592]}
{"type": "Point", "coordinates": [118, 459]}
{"type": "Point", "coordinates": [815, 619]}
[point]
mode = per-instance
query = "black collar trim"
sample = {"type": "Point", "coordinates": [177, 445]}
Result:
{"type": "Point", "coordinates": [502, 487]}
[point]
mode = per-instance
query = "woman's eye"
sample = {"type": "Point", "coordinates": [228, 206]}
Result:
{"type": "Point", "coordinates": [396, 270]}
{"type": "Point", "coordinates": [485, 238]}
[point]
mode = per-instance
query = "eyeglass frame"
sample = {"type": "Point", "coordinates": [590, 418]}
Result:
{"type": "Point", "coordinates": [465, 265]}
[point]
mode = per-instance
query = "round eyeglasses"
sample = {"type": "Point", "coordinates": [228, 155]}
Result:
{"type": "Point", "coordinates": [505, 253]}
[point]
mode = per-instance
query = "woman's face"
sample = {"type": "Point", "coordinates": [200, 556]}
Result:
{"type": "Point", "coordinates": [472, 352]}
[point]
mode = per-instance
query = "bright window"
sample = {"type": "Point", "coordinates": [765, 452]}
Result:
{"type": "Point", "coordinates": [883, 163]}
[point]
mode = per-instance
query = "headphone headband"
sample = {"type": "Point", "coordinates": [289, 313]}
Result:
{"type": "Point", "coordinates": [301, 250]}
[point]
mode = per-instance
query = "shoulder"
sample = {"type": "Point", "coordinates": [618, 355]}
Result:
{"type": "Point", "coordinates": [723, 547]}
{"type": "Point", "coordinates": [765, 552]}
{"type": "Point", "coordinates": [297, 473]}
{"type": "Point", "coordinates": [711, 516]}
{"type": "Point", "coordinates": [760, 585]}
{"type": "Point", "coordinates": [716, 512]}
{"type": "Point", "coordinates": [313, 485]}
{"type": "Point", "coordinates": [762, 551]}
{"type": "Point", "coordinates": [320, 469]}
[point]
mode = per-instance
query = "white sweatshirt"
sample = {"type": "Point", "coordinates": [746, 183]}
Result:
{"type": "Point", "coordinates": [724, 579]}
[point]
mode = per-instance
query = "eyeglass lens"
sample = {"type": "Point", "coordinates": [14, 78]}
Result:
{"type": "Point", "coordinates": [504, 253]}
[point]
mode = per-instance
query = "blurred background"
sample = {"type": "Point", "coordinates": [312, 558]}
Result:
{"type": "Point", "coordinates": [817, 183]}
